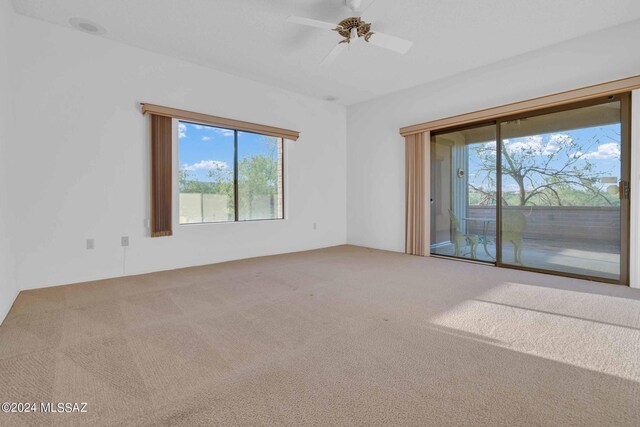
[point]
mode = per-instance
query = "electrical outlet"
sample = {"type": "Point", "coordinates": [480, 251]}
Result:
{"type": "Point", "coordinates": [124, 241]}
{"type": "Point", "coordinates": [91, 243]}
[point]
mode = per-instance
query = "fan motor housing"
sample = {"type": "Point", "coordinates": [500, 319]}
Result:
{"type": "Point", "coordinates": [346, 25]}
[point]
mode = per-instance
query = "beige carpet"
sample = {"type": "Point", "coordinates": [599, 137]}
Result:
{"type": "Point", "coordinates": [340, 336]}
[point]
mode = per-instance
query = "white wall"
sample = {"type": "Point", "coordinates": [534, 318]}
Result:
{"type": "Point", "coordinates": [82, 160]}
{"type": "Point", "coordinates": [375, 149]}
{"type": "Point", "coordinates": [8, 289]}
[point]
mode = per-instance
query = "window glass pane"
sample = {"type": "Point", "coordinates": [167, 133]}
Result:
{"type": "Point", "coordinates": [560, 193]}
{"type": "Point", "coordinates": [259, 177]}
{"type": "Point", "coordinates": [206, 156]}
{"type": "Point", "coordinates": [463, 193]}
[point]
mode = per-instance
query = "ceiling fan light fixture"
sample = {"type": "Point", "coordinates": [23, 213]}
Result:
{"type": "Point", "coordinates": [351, 30]}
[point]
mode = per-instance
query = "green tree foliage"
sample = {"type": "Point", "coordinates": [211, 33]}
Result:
{"type": "Point", "coordinates": [257, 177]}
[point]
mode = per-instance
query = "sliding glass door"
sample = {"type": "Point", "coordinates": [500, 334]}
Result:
{"type": "Point", "coordinates": [562, 208]}
{"type": "Point", "coordinates": [463, 193]}
{"type": "Point", "coordinates": [561, 178]}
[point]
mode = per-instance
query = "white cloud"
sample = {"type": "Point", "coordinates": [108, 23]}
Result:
{"type": "Point", "coordinates": [560, 139]}
{"type": "Point", "coordinates": [182, 130]}
{"type": "Point", "coordinates": [224, 132]}
{"type": "Point", "coordinates": [491, 145]}
{"type": "Point", "coordinates": [489, 148]}
{"type": "Point", "coordinates": [536, 145]}
{"type": "Point", "coordinates": [556, 142]}
{"type": "Point", "coordinates": [206, 138]}
{"type": "Point", "coordinates": [532, 144]}
{"type": "Point", "coordinates": [605, 151]}
{"type": "Point", "coordinates": [206, 165]}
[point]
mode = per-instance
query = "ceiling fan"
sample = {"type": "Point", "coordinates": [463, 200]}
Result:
{"type": "Point", "coordinates": [354, 29]}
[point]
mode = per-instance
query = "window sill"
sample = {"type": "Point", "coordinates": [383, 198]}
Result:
{"type": "Point", "coordinates": [232, 222]}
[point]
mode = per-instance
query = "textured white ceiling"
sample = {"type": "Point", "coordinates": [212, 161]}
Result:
{"type": "Point", "coordinates": [250, 38]}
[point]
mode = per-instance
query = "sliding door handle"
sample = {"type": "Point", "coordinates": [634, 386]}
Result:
{"type": "Point", "coordinates": [624, 190]}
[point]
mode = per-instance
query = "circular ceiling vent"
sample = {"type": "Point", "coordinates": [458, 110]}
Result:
{"type": "Point", "coordinates": [86, 26]}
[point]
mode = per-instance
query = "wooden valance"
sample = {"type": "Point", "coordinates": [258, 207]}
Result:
{"type": "Point", "coordinates": [589, 92]}
{"type": "Point", "coordinates": [222, 122]}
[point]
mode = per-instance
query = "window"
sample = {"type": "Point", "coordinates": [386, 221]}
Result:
{"type": "Point", "coordinates": [228, 175]}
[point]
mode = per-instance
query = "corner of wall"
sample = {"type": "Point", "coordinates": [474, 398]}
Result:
{"type": "Point", "coordinates": [7, 301]}
{"type": "Point", "coordinates": [8, 286]}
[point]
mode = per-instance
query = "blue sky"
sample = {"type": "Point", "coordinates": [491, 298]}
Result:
{"type": "Point", "coordinates": [600, 145]}
{"type": "Point", "coordinates": [203, 148]}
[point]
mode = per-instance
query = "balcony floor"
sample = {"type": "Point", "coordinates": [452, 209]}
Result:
{"type": "Point", "coordinates": [598, 259]}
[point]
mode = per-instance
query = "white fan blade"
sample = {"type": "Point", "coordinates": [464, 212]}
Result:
{"type": "Point", "coordinates": [395, 44]}
{"type": "Point", "coordinates": [340, 47]}
{"type": "Point", "coordinates": [311, 22]}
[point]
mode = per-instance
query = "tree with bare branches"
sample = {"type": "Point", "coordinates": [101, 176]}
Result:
{"type": "Point", "coordinates": [555, 170]}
